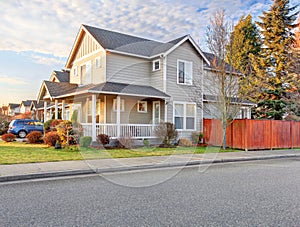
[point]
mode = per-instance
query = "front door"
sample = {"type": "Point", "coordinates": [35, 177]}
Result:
{"type": "Point", "coordinates": [156, 112]}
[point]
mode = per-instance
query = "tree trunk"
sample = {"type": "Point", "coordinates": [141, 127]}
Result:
{"type": "Point", "coordinates": [224, 136]}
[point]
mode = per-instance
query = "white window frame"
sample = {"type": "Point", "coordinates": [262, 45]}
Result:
{"type": "Point", "coordinates": [98, 62]}
{"type": "Point", "coordinates": [185, 115]}
{"type": "Point", "coordinates": [185, 66]}
{"type": "Point", "coordinates": [87, 77]}
{"type": "Point", "coordinates": [143, 103]}
{"type": "Point", "coordinates": [122, 105]}
{"type": "Point", "coordinates": [153, 65]}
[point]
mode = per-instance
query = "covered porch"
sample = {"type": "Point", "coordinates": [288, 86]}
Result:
{"type": "Point", "coordinates": [115, 109]}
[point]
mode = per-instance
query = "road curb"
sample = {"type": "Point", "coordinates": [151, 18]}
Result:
{"type": "Point", "coordinates": [139, 167]}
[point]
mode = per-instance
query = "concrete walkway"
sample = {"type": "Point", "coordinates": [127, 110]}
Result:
{"type": "Point", "coordinates": [69, 168]}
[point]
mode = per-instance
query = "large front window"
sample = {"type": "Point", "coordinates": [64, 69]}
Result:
{"type": "Point", "coordinates": [185, 116]}
{"type": "Point", "coordinates": [86, 74]}
{"type": "Point", "coordinates": [184, 72]}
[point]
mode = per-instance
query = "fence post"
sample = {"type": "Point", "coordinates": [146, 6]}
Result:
{"type": "Point", "coordinates": [246, 135]}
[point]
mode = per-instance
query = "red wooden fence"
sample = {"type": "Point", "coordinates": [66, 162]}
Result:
{"type": "Point", "coordinates": [253, 134]}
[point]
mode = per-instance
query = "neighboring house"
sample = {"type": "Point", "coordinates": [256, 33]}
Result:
{"type": "Point", "coordinates": [123, 85]}
{"type": "Point", "coordinates": [13, 109]}
{"type": "Point", "coordinates": [241, 108]}
{"type": "Point", "coordinates": [60, 76]}
{"type": "Point", "coordinates": [25, 106]}
{"type": "Point", "coordinates": [37, 110]}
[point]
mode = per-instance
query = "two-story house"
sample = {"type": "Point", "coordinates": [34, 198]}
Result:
{"type": "Point", "coordinates": [124, 85]}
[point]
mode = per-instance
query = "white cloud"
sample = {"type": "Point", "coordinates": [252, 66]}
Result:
{"type": "Point", "coordinates": [50, 27]}
{"type": "Point", "coordinates": [44, 60]}
{"type": "Point", "coordinates": [12, 81]}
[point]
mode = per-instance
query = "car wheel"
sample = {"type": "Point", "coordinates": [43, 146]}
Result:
{"type": "Point", "coordinates": [22, 134]}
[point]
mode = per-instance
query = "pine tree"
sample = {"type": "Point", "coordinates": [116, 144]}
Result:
{"type": "Point", "coordinates": [272, 65]}
{"type": "Point", "coordinates": [244, 41]}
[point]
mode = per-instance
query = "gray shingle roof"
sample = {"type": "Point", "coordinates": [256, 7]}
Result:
{"type": "Point", "coordinates": [209, 98]}
{"type": "Point", "coordinates": [56, 89]}
{"type": "Point", "coordinates": [62, 76]}
{"type": "Point", "coordinates": [130, 44]}
{"type": "Point", "coordinates": [27, 102]}
{"type": "Point", "coordinates": [129, 89]}
{"type": "Point", "coordinates": [13, 105]}
{"type": "Point", "coordinates": [64, 89]}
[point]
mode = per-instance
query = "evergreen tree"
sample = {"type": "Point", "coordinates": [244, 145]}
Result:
{"type": "Point", "coordinates": [272, 65]}
{"type": "Point", "coordinates": [244, 41]}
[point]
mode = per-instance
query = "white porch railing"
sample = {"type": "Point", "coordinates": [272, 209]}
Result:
{"type": "Point", "coordinates": [126, 130]}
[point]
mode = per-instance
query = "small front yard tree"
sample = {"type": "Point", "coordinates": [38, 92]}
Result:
{"type": "Point", "coordinates": [223, 86]}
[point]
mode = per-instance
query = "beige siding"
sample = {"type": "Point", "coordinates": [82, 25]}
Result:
{"type": "Point", "coordinates": [130, 114]}
{"type": "Point", "coordinates": [156, 77]}
{"type": "Point", "coordinates": [185, 93]}
{"type": "Point", "coordinates": [88, 51]}
{"type": "Point", "coordinates": [127, 69]}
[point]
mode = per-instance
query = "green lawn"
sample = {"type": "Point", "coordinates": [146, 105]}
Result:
{"type": "Point", "coordinates": [19, 152]}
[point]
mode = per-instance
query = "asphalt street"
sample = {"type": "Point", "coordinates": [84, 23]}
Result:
{"type": "Point", "coordinates": [256, 193]}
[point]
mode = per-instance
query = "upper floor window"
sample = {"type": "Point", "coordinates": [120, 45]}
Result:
{"type": "Point", "coordinates": [98, 62]}
{"type": "Point", "coordinates": [86, 74]}
{"type": "Point", "coordinates": [184, 72]}
{"type": "Point", "coordinates": [156, 65]}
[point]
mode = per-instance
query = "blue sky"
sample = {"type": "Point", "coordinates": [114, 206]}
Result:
{"type": "Point", "coordinates": [37, 35]}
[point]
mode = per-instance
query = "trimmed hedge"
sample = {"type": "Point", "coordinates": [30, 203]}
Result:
{"type": "Point", "coordinates": [35, 137]}
{"type": "Point", "coordinates": [50, 138]}
{"type": "Point", "coordinates": [85, 141]}
{"type": "Point", "coordinates": [8, 137]}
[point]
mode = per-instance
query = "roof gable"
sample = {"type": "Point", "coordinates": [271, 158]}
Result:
{"type": "Point", "coordinates": [84, 44]}
{"type": "Point", "coordinates": [60, 76]}
{"type": "Point", "coordinates": [126, 44]}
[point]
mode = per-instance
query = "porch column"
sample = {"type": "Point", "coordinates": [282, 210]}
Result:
{"type": "Point", "coordinates": [166, 111]}
{"type": "Point", "coordinates": [104, 116]}
{"type": "Point", "coordinates": [50, 113]}
{"type": "Point", "coordinates": [94, 136]}
{"type": "Point", "coordinates": [45, 111]}
{"type": "Point", "coordinates": [56, 109]}
{"type": "Point", "coordinates": [63, 110]}
{"type": "Point", "coordinates": [118, 116]}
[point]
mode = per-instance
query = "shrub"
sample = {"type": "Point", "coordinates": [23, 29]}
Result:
{"type": "Point", "coordinates": [103, 139]}
{"type": "Point", "coordinates": [124, 142]}
{"type": "Point", "coordinates": [8, 137]}
{"type": "Point", "coordinates": [85, 141]}
{"type": "Point", "coordinates": [50, 138]}
{"type": "Point", "coordinates": [146, 142]}
{"type": "Point", "coordinates": [4, 127]}
{"type": "Point", "coordinates": [55, 123]}
{"type": "Point", "coordinates": [197, 137]}
{"type": "Point", "coordinates": [167, 133]}
{"type": "Point", "coordinates": [34, 137]}
{"type": "Point", "coordinates": [185, 142]}
{"type": "Point", "coordinates": [65, 131]}
{"type": "Point", "coordinates": [47, 125]}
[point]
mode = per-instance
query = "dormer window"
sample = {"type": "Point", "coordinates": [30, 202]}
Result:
{"type": "Point", "coordinates": [156, 65]}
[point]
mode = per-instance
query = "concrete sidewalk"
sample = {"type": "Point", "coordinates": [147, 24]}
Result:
{"type": "Point", "coordinates": [69, 168]}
